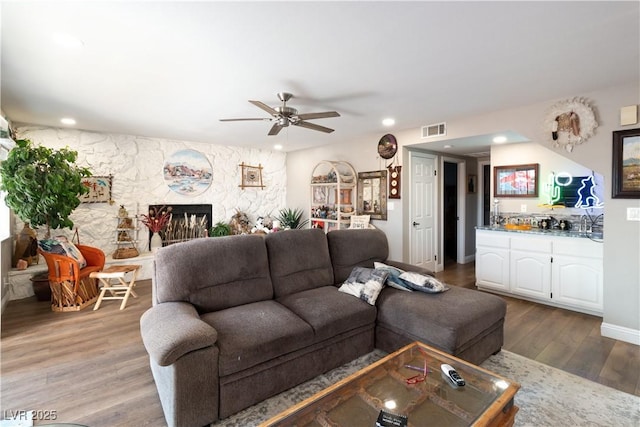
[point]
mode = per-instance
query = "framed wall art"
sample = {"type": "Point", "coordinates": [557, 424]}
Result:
{"type": "Point", "coordinates": [515, 181]}
{"type": "Point", "coordinates": [472, 184]}
{"type": "Point", "coordinates": [188, 172]}
{"type": "Point", "coordinates": [626, 164]}
{"type": "Point", "coordinates": [99, 189]}
{"type": "Point", "coordinates": [251, 176]}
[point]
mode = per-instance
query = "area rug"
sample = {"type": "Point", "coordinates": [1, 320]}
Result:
{"type": "Point", "coordinates": [547, 397]}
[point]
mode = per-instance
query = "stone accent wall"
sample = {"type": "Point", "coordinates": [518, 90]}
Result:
{"type": "Point", "coordinates": [136, 165]}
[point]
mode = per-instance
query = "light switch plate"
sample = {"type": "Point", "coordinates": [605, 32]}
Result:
{"type": "Point", "coordinates": [629, 115]}
{"type": "Point", "coordinates": [523, 208]}
{"type": "Point", "coordinates": [633, 214]}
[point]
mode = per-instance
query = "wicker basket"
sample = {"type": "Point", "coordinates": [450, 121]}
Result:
{"type": "Point", "coordinates": [122, 253]}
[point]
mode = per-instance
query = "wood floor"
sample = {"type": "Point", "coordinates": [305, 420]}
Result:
{"type": "Point", "coordinates": [90, 367]}
{"type": "Point", "coordinates": [561, 338]}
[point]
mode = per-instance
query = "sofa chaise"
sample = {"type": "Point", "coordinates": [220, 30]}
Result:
{"type": "Point", "coordinates": [238, 319]}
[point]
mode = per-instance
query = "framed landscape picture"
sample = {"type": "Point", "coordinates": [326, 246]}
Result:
{"type": "Point", "coordinates": [515, 181]}
{"type": "Point", "coordinates": [626, 164]}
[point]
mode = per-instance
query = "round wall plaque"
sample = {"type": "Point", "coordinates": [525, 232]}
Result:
{"type": "Point", "coordinates": [187, 172]}
{"type": "Point", "coordinates": [387, 146]}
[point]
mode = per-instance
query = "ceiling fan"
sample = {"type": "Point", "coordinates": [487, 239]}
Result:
{"type": "Point", "coordinates": [284, 116]}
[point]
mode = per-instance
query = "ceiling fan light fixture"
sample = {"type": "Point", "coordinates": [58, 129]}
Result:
{"type": "Point", "coordinates": [283, 116]}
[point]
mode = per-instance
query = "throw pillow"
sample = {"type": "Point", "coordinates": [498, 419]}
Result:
{"type": "Point", "coordinates": [364, 283]}
{"type": "Point", "coordinates": [61, 246]}
{"type": "Point", "coordinates": [393, 276]}
{"type": "Point", "coordinates": [423, 283]}
{"type": "Point", "coordinates": [359, 221]}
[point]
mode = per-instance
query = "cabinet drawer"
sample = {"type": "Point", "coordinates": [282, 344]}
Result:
{"type": "Point", "coordinates": [531, 245]}
{"type": "Point", "coordinates": [494, 239]}
{"type": "Point", "coordinates": [577, 247]}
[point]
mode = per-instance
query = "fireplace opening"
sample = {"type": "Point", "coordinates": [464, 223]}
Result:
{"type": "Point", "coordinates": [187, 222]}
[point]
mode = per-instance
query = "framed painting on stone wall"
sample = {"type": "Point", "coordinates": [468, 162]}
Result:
{"type": "Point", "coordinates": [251, 176]}
{"type": "Point", "coordinates": [99, 189]}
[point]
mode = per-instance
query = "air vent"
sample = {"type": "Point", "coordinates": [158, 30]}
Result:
{"type": "Point", "coordinates": [438, 129]}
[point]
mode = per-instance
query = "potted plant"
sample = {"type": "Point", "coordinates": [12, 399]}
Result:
{"type": "Point", "coordinates": [220, 229]}
{"type": "Point", "coordinates": [42, 188]}
{"type": "Point", "coordinates": [292, 218]}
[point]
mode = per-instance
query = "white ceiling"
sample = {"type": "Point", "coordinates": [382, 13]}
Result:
{"type": "Point", "coordinates": [173, 69]}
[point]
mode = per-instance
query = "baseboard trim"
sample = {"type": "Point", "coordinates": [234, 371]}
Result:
{"type": "Point", "coordinates": [620, 333]}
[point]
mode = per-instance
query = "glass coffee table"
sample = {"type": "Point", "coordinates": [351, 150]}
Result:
{"type": "Point", "coordinates": [397, 385]}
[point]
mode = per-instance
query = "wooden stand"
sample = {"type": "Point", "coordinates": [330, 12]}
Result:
{"type": "Point", "coordinates": [120, 290]}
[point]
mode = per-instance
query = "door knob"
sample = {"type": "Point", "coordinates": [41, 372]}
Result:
{"type": "Point", "coordinates": [415, 223]}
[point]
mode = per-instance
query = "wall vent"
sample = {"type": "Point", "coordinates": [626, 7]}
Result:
{"type": "Point", "coordinates": [438, 129]}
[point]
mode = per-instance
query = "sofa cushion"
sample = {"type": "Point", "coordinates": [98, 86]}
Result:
{"type": "Point", "coordinates": [355, 248]}
{"type": "Point", "coordinates": [447, 320]}
{"type": "Point", "coordinates": [298, 260]}
{"type": "Point", "coordinates": [328, 311]}
{"type": "Point", "coordinates": [213, 273]}
{"type": "Point", "coordinates": [254, 333]}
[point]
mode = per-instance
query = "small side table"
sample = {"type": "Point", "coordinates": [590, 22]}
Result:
{"type": "Point", "coordinates": [118, 290]}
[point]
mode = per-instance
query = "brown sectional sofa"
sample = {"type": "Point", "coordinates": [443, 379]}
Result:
{"type": "Point", "coordinates": [238, 319]}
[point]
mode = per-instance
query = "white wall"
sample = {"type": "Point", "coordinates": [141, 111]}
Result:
{"type": "Point", "coordinates": [622, 237]}
{"type": "Point", "coordinates": [136, 164]}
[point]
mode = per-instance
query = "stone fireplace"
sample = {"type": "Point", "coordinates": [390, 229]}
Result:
{"type": "Point", "coordinates": [188, 222]}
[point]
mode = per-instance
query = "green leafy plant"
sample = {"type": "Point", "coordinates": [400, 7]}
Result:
{"type": "Point", "coordinates": [292, 218]}
{"type": "Point", "coordinates": [220, 229]}
{"type": "Point", "coordinates": [42, 184]}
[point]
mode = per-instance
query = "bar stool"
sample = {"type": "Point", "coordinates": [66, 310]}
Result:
{"type": "Point", "coordinates": [120, 289]}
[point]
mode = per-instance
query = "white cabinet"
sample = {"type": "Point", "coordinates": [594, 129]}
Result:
{"type": "Point", "coordinates": [530, 267]}
{"type": "Point", "coordinates": [561, 271]}
{"type": "Point", "coordinates": [492, 261]}
{"type": "Point", "coordinates": [578, 279]}
{"type": "Point", "coordinates": [333, 190]}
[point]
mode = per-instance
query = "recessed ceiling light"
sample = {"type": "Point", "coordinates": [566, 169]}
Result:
{"type": "Point", "coordinates": [388, 122]}
{"type": "Point", "coordinates": [500, 139]}
{"type": "Point", "coordinates": [68, 121]}
{"type": "Point", "coordinates": [68, 41]}
{"type": "Point", "coordinates": [277, 147]}
{"type": "Point", "coordinates": [448, 146]}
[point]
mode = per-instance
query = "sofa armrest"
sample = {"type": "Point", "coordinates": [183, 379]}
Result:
{"type": "Point", "coordinates": [173, 329]}
{"type": "Point", "coordinates": [408, 267]}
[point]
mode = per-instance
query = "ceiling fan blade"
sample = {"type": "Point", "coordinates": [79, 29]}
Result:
{"type": "Point", "coordinates": [265, 107]}
{"type": "Point", "coordinates": [323, 115]}
{"type": "Point", "coordinates": [275, 129]}
{"type": "Point", "coordinates": [244, 120]}
{"type": "Point", "coordinates": [313, 126]}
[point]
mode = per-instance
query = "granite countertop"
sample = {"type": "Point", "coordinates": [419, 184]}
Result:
{"type": "Point", "coordinates": [551, 233]}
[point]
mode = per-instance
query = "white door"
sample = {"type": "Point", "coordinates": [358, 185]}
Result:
{"type": "Point", "coordinates": [422, 210]}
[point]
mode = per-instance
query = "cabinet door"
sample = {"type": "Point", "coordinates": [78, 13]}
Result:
{"type": "Point", "coordinates": [530, 274]}
{"type": "Point", "coordinates": [577, 281]}
{"type": "Point", "coordinates": [492, 268]}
